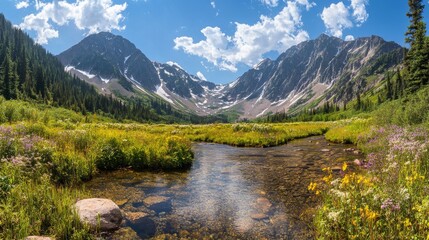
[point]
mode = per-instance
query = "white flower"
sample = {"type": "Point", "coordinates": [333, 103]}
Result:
{"type": "Point", "coordinates": [334, 216]}
{"type": "Point", "coordinates": [340, 194]}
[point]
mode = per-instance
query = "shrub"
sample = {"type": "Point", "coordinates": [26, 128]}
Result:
{"type": "Point", "coordinates": [111, 156]}
{"type": "Point", "coordinates": [139, 159]}
{"type": "Point", "coordinates": [69, 169]}
{"type": "Point", "coordinates": [179, 154]}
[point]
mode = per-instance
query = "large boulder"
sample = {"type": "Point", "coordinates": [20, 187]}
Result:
{"type": "Point", "coordinates": [99, 213]}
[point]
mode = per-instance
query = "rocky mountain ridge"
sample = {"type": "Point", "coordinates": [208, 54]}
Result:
{"type": "Point", "coordinates": [318, 69]}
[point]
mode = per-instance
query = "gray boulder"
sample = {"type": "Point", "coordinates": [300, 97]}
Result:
{"type": "Point", "coordinates": [99, 213]}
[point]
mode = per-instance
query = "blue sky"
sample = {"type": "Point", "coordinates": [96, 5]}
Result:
{"type": "Point", "coordinates": [220, 39]}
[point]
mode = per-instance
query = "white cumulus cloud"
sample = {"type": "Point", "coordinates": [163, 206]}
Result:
{"type": "Point", "coordinates": [271, 3]}
{"type": "Point", "coordinates": [201, 76]}
{"type": "Point", "coordinates": [336, 19]}
{"type": "Point", "coordinates": [249, 42]}
{"type": "Point", "coordinates": [359, 11]}
{"type": "Point", "coordinates": [92, 16]}
{"type": "Point", "coordinates": [213, 3]}
{"type": "Point", "coordinates": [22, 4]}
{"type": "Point", "coordinates": [349, 38]}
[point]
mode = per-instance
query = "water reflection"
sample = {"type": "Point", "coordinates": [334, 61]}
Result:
{"type": "Point", "coordinates": [229, 192]}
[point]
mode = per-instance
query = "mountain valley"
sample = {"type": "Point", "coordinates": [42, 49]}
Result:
{"type": "Point", "coordinates": [310, 73]}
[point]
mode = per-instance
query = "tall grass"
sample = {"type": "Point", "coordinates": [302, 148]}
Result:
{"type": "Point", "coordinates": [348, 131]}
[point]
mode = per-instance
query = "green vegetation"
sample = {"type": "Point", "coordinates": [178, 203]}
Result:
{"type": "Point", "coordinates": [47, 152]}
{"type": "Point", "coordinates": [386, 197]}
{"type": "Point", "coordinates": [348, 131]}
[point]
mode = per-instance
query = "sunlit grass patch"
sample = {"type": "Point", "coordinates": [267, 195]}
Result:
{"type": "Point", "coordinates": [348, 131]}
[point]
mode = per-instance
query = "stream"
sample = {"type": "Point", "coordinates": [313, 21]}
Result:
{"type": "Point", "coordinates": [229, 193]}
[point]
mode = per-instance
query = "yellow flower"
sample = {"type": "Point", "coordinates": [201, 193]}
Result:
{"type": "Point", "coordinates": [326, 169]}
{"type": "Point", "coordinates": [327, 179]}
{"type": "Point", "coordinates": [312, 186]}
{"type": "Point", "coordinates": [344, 166]}
{"type": "Point", "coordinates": [346, 180]}
{"type": "Point", "coordinates": [367, 213]}
{"type": "Point", "coordinates": [407, 222]}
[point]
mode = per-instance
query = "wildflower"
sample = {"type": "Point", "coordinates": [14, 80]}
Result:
{"type": "Point", "coordinates": [367, 213]}
{"type": "Point", "coordinates": [333, 216]}
{"type": "Point", "coordinates": [312, 186]}
{"type": "Point", "coordinates": [327, 179]}
{"type": "Point", "coordinates": [327, 169]}
{"type": "Point", "coordinates": [407, 222]}
{"type": "Point", "coordinates": [344, 168]}
{"type": "Point", "coordinates": [335, 182]}
{"type": "Point", "coordinates": [340, 194]}
{"type": "Point", "coordinates": [389, 204]}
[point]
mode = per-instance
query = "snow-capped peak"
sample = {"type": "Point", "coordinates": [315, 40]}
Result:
{"type": "Point", "coordinates": [201, 76]}
{"type": "Point", "coordinates": [174, 64]}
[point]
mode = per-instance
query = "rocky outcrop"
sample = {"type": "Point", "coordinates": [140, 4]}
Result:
{"type": "Point", "coordinates": [98, 213]}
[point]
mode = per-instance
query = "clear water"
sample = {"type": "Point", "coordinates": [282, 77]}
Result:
{"type": "Point", "coordinates": [229, 193]}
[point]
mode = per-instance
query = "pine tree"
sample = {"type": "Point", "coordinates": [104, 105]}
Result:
{"type": "Point", "coordinates": [8, 78]}
{"type": "Point", "coordinates": [389, 88]}
{"type": "Point", "coordinates": [358, 102]}
{"type": "Point", "coordinates": [417, 59]}
{"type": "Point", "coordinates": [399, 86]}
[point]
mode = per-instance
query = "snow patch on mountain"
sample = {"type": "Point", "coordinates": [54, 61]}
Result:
{"type": "Point", "coordinates": [162, 93]}
{"type": "Point", "coordinates": [174, 64]}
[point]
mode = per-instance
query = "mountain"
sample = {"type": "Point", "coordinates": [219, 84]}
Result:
{"type": "Point", "coordinates": [312, 72]}
{"type": "Point", "coordinates": [115, 65]}
{"type": "Point", "coordinates": [108, 57]}
{"type": "Point", "coordinates": [28, 72]}
{"type": "Point", "coordinates": [320, 69]}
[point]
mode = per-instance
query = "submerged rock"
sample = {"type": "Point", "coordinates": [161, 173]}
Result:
{"type": "Point", "coordinates": [263, 204]}
{"type": "Point", "coordinates": [99, 213]}
{"type": "Point", "coordinates": [135, 216]}
{"type": "Point", "coordinates": [149, 201]}
{"type": "Point", "coordinates": [259, 216]}
{"type": "Point", "coordinates": [124, 234]}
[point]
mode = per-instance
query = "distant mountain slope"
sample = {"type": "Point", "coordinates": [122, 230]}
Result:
{"type": "Point", "coordinates": [317, 70]}
{"type": "Point", "coordinates": [310, 70]}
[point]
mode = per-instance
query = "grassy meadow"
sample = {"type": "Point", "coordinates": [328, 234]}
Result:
{"type": "Point", "coordinates": [46, 153]}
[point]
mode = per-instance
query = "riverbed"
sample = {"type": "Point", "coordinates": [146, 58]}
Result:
{"type": "Point", "coordinates": [229, 193]}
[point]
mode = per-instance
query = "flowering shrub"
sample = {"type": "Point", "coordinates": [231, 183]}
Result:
{"type": "Point", "coordinates": [387, 198]}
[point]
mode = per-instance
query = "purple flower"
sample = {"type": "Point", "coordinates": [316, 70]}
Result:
{"type": "Point", "coordinates": [389, 204]}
